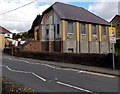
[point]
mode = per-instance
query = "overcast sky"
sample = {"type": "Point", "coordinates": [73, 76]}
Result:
{"type": "Point", "coordinates": [21, 19]}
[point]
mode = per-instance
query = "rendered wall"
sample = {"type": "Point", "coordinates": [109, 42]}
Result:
{"type": "Point", "coordinates": [51, 40]}
{"type": "Point", "coordinates": [75, 42]}
{"type": "Point", "coordinates": [2, 41]}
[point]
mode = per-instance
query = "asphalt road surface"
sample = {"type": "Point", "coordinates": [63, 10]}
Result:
{"type": "Point", "coordinates": [46, 78]}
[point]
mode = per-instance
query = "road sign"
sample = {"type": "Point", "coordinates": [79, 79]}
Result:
{"type": "Point", "coordinates": [112, 39]}
{"type": "Point", "coordinates": [112, 34]}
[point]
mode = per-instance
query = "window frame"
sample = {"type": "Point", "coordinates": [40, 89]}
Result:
{"type": "Point", "coordinates": [94, 29]}
{"type": "Point", "coordinates": [47, 31]}
{"type": "Point", "coordinates": [83, 28]}
{"type": "Point", "coordinates": [68, 26]}
{"type": "Point", "coordinates": [58, 28]}
{"type": "Point", "coordinates": [104, 30]}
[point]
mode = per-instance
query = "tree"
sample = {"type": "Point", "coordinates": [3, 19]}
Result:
{"type": "Point", "coordinates": [24, 36]}
{"type": "Point", "coordinates": [36, 22]}
{"type": "Point", "coordinates": [17, 36]}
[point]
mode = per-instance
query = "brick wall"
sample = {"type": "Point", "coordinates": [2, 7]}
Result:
{"type": "Point", "coordinates": [38, 46]}
{"type": "Point", "coordinates": [33, 46]}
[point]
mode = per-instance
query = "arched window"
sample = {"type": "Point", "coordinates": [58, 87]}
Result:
{"type": "Point", "coordinates": [49, 19]}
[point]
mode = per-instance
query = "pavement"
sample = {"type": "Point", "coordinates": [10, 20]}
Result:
{"type": "Point", "coordinates": [88, 68]}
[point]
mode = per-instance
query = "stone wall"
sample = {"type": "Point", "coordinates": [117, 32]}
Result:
{"type": "Point", "coordinates": [33, 46]}
{"type": "Point", "coordinates": [49, 46]}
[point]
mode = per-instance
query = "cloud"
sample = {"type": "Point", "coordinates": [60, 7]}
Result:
{"type": "Point", "coordinates": [21, 19]}
{"type": "Point", "coordinates": [24, 17]}
{"type": "Point", "coordinates": [106, 10]}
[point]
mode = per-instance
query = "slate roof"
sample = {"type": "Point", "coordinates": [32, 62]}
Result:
{"type": "Point", "coordinates": [70, 12]}
{"type": "Point", "coordinates": [116, 17]}
{"type": "Point", "coordinates": [4, 30]}
{"type": "Point", "coordinates": [1, 32]}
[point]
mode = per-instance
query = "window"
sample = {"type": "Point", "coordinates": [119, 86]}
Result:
{"type": "Point", "coordinates": [104, 30]}
{"type": "Point", "coordinates": [49, 19]}
{"type": "Point", "coordinates": [94, 30]}
{"type": "Point", "coordinates": [47, 34]}
{"type": "Point", "coordinates": [47, 31]}
{"type": "Point", "coordinates": [83, 28]}
{"type": "Point", "coordinates": [70, 27]}
{"type": "Point", "coordinates": [58, 28]}
{"type": "Point", "coordinates": [70, 50]}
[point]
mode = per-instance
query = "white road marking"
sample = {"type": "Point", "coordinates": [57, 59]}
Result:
{"type": "Point", "coordinates": [8, 68]}
{"type": "Point", "coordinates": [81, 71]}
{"type": "Point", "coordinates": [39, 77]}
{"type": "Point", "coordinates": [20, 60]}
{"type": "Point", "coordinates": [75, 87]}
{"type": "Point", "coordinates": [46, 65]}
{"type": "Point", "coordinates": [24, 72]}
{"type": "Point", "coordinates": [68, 69]}
{"type": "Point", "coordinates": [21, 71]}
{"type": "Point", "coordinates": [49, 66]}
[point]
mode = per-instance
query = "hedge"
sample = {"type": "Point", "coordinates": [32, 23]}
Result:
{"type": "Point", "coordinates": [99, 60]}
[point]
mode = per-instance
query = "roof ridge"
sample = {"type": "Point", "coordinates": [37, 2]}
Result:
{"type": "Point", "coordinates": [115, 17]}
{"type": "Point", "coordinates": [5, 29]}
{"type": "Point", "coordinates": [95, 15]}
{"type": "Point", "coordinates": [68, 4]}
{"type": "Point", "coordinates": [68, 14]}
{"type": "Point", "coordinates": [83, 9]}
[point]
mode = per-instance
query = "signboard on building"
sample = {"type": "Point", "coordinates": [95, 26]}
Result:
{"type": "Point", "coordinates": [112, 34]}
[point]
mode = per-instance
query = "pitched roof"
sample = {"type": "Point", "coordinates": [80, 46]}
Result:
{"type": "Point", "coordinates": [4, 30]}
{"type": "Point", "coordinates": [1, 32]}
{"type": "Point", "coordinates": [70, 12]}
{"type": "Point", "coordinates": [116, 17]}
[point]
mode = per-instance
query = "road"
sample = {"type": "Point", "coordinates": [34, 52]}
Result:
{"type": "Point", "coordinates": [46, 78]}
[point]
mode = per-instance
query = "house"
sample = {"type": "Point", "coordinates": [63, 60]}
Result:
{"type": "Point", "coordinates": [8, 34]}
{"type": "Point", "coordinates": [4, 36]}
{"type": "Point", "coordinates": [2, 39]}
{"type": "Point", "coordinates": [67, 28]}
{"type": "Point", "coordinates": [116, 22]}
